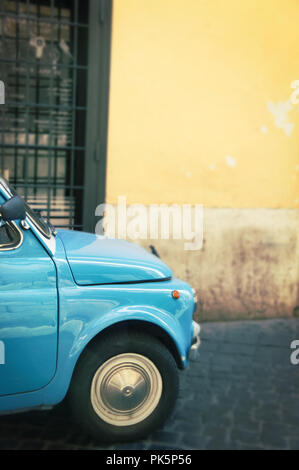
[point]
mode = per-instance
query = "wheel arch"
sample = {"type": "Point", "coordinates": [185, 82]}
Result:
{"type": "Point", "coordinates": [148, 327]}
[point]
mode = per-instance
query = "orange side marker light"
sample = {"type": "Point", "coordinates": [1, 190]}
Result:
{"type": "Point", "coordinates": [175, 294]}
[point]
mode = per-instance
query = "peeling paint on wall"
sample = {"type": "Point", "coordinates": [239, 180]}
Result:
{"type": "Point", "coordinates": [281, 109]}
{"type": "Point", "coordinates": [279, 112]}
{"type": "Point", "coordinates": [295, 95]}
{"type": "Point", "coordinates": [230, 161]}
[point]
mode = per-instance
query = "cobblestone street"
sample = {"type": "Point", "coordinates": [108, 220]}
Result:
{"type": "Point", "coordinates": [242, 393]}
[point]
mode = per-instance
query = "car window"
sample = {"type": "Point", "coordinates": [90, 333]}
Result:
{"type": "Point", "coordinates": [38, 221]}
{"type": "Point", "coordinates": [42, 225]}
{"type": "Point", "coordinates": [10, 236]}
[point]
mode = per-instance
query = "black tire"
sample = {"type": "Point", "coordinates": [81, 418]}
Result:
{"type": "Point", "coordinates": [97, 355]}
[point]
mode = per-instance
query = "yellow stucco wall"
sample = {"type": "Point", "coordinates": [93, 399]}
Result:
{"type": "Point", "coordinates": [189, 116]}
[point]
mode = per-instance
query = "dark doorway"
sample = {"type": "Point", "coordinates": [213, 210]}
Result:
{"type": "Point", "coordinates": [44, 64]}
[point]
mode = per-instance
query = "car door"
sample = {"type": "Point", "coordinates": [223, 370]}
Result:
{"type": "Point", "coordinates": [28, 312]}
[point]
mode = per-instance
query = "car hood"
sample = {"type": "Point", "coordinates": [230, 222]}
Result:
{"type": "Point", "coordinates": [94, 259]}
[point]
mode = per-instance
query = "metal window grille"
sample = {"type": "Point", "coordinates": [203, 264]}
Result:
{"type": "Point", "coordinates": [43, 64]}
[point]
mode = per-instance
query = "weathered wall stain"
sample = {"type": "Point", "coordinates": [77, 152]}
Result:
{"type": "Point", "coordinates": [248, 266]}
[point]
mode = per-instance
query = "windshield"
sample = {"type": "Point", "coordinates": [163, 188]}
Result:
{"type": "Point", "coordinates": [41, 224]}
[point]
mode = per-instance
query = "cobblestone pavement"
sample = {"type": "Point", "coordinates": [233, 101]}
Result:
{"type": "Point", "coordinates": [242, 393]}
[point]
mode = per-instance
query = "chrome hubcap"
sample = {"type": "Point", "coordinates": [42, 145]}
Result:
{"type": "Point", "coordinates": [126, 389]}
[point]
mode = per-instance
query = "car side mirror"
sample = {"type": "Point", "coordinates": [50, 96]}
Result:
{"type": "Point", "coordinates": [13, 209]}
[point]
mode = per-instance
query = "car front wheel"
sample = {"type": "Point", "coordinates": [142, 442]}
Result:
{"type": "Point", "coordinates": [124, 386]}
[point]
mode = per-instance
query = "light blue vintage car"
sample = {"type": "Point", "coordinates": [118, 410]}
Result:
{"type": "Point", "coordinates": [97, 321]}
